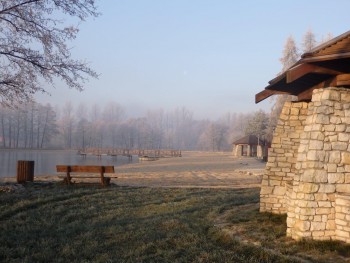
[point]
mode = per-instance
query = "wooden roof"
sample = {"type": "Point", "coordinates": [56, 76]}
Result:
{"type": "Point", "coordinates": [250, 140]}
{"type": "Point", "coordinates": [327, 65]}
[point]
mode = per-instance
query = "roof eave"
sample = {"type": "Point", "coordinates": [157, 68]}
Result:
{"type": "Point", "coordinates": [325, 45]}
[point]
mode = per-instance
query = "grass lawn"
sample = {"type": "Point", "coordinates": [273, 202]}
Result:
{"type": "Point", "coordinates": [55, 223]}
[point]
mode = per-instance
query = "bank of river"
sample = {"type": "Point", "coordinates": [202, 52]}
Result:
{"type": "Point", "coordinates": [46, 160]}
{"type": "Point", "coordinates": [192, 170]}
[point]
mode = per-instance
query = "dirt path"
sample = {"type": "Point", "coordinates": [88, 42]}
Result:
{"type": "Point", "coordinates": [193, 169]}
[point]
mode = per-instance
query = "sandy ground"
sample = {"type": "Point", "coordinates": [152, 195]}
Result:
{"type": "Point", "coordinates": [193, 169]}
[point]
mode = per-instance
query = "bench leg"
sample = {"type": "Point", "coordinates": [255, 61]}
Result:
{"type": "Point", "coordinates": [106, 181]}
{"type": "Point", "coordinates": [67, 181]}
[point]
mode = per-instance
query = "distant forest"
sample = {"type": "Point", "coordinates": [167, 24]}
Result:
{"type": "Point", "coordinates": [37, 126]}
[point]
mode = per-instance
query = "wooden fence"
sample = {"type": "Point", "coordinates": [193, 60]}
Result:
{"type": "Point", "coordinates": [129, 152]}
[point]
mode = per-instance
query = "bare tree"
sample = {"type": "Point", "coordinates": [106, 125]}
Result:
{"type": "Point", "coordinates": [183, 127]}
{"type": "Point", "coordinates": [127, 135]}
{"type": "Point", "coordinates": [33, 46]}
{"type": "Point", "coordinates": [83, 126]}
{"type": "Point", "coordinates": [142, 133]}
{"type": "Point", "coordinates": [212, 137]}
{"type": "Point", "coordinates": [169, 131]}
{"type": "Point", "coordinates": [326, 38]}
{"type": "Point", "coordinates": [112, 115]}
{"type": "Point", "coordinates": [97, 127]}
{"type": "Point", "coordinates": [48, 127]}
{"type": "Point", "coordinates": [67, 124]}
{"type": "Point", "coordinates": [309, 41]}
{"type": "Point", "coordinates": [155, 120]}
{"type": "Point", "coordinates": [82, 133]}
{"type": "Point", "coordinates": [257, 125]}
{"type": "Point", "coordinates": [290, 54]}
{"type": "Point", "coordinates": [16, 122]}
{"type": "Point", "coordinates": [3, 115]}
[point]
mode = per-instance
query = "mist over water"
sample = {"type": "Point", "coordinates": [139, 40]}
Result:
{"type": "Point", "coordinates": [46, 160]}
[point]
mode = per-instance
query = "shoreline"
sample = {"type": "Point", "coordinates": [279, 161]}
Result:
{"type": "Point", "coordinates": [192, 170]}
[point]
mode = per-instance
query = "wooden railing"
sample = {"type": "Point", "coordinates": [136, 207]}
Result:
{"type": "Point", "coordinates": [129, 152]}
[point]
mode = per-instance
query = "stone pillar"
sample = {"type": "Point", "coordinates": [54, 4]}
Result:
{"type": "Point", "coordinates": [342, 217]}
{"type": "Point", "coordinates": [280, 168]}
{"type": "Point", "coordinates": [249, 150]}
{"type": "Point", "coordinates": [322, 170]}
{"type": "Point", "coordinates": [238, 150]}
{"type": "Point", "coordinates": [259, 151]}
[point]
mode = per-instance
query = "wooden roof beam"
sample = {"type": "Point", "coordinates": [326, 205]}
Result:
{"type": "Point", "coordinates": [306, 95]}
{"type": "Point", "coordinates": [267, 93]}
{"type": "Point", "coordinates": [325, 57]}
{"type": "Point", "coordinates": [303, 69]}
{"type": "Point", "coordinates": [338, 81]}
{"type": "Point", "coordinates": [343, 80]}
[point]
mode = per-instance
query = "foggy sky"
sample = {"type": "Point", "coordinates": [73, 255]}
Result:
{"type": "Point", "coordinates": [211, 57]}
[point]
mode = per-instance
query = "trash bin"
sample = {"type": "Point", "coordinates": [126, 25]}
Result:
{"type": "Point", "coordinates": [25, 171]}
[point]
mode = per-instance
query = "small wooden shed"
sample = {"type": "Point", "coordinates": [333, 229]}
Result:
{"type": "Point", "coordinates": [250, 146]}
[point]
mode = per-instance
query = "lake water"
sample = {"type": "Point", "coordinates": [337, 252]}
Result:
{"type": "Point", "coordinates": [46, 160]}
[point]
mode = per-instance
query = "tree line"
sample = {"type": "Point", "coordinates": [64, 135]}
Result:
{"type": "Point", "coordinates": [38, 126]}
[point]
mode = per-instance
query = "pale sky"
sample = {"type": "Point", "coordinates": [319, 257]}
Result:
{"type": "Point", "coordinates": [210, 56]}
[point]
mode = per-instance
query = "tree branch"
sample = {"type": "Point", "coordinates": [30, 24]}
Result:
{"type": "Point", "coordinates": [33, 48]}
{"type": "Point", "coordinates": [18, 5]}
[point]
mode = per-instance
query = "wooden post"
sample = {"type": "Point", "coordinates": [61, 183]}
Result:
{"type": "Point", "coordinates": [69, 169]}
{"type": "Point", "coordinates": [102, 177]}
{"type": "Point", "coordinates": [25, 171]}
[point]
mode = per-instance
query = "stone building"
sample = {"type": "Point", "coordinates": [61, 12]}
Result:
{"type": "Point", "coordinates": [250, 146]}
{"type": "Point", "coordinates": [307, 175]}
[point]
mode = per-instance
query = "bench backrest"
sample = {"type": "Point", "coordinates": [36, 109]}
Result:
{"type": "Point", "coordinates": [84, 169]}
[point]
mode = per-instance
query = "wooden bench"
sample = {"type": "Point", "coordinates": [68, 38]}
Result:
{"type": "Point", "coordinates": [101, 170]}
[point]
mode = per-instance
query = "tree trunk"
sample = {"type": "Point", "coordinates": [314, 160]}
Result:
{"type": "Point", "coordinates": [3, 131]}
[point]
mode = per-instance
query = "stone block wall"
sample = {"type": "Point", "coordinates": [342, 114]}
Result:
{"type": "Point", "coordinates": [322, 168]}
{"type": "Point", "coordinates": [316, 193]}
{"type": "Point", "coordinates": [342, 217]}
{"type": "Point", "coordinates": [280, 168]}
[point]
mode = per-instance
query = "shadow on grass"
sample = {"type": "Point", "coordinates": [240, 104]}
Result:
{"type": "Point", "coordinates": [268, 231]}
{"type": "Point", "coordinates": [55, 223]}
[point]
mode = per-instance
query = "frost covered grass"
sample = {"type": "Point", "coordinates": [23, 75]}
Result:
{"type": "Point", "coordinates": [55, 223]}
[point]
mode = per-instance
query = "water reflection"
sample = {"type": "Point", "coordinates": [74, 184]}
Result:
{"type": "Point", "coordinates": [46, 160]}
